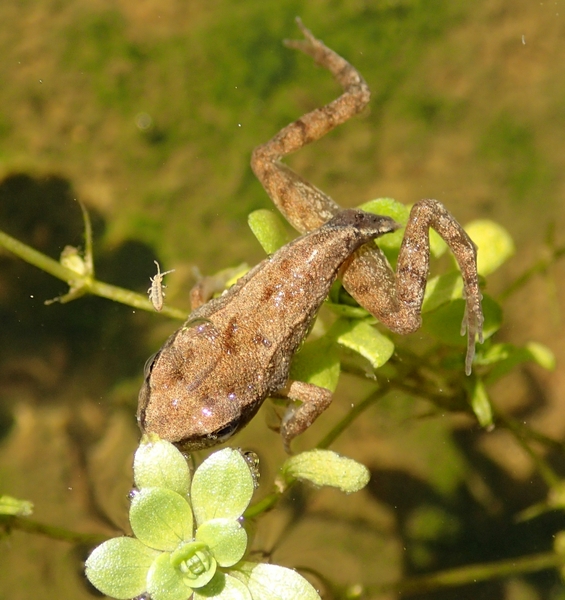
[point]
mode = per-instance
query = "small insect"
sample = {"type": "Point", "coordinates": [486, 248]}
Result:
{"type": "Point", "coordinates": [156, 293]}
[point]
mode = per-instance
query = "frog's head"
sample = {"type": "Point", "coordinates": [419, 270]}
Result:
{"type": "Point", "coordinates": [182, 411]}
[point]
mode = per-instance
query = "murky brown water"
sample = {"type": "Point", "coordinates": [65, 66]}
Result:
{"type": "Point", "coordinates": [149, 114]}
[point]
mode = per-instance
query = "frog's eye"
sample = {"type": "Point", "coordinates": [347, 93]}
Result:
{"type": "Point", "coordinates": [149, 364]}
{"type": "Point", "coordinates": [226, 432]}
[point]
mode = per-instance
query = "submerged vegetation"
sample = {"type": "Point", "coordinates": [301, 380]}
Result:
{"type": "Point", "coordinates": [171, 558]}
{"type": "Point", "coordinates": [148, 114]}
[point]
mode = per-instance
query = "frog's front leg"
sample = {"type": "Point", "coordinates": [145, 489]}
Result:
{"type": "Point", "coordinates": [395, 300]}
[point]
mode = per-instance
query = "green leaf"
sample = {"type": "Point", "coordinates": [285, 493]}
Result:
{"type": "Point", "coordinates": [559, 547]}
{"type": "Point", "coordinates": [236, 274]}
{"type": "Point", "coordinates": [441, 289]}
{"type": "Point", "coordinates": [480, 403]}
{"type": "Point", "coordinates": [226, 539]}
{"type": "Point", "coordinates": [506, 357]}
{"type": "Point", "coordinates": [317, 362]}
{"type": "Point", "coordinates": [13, 506]}
{"type": "Point", "coordinates": [364, 339]}
{"type": "Point", "coordinates": [119, 567]}
{"type": "Point", "coordinates": [222, 487]}
{"type": "Point", "coordinates": [400, 213]}
{"type": "Point", "coordinates": [494, 243]}
{"type": "Point", "coordinates": [269, 229]}
{"type": "Point", "coordinates": [346, 311]}
{"type": "Point", "coordinates": [271, 582]}
{"type": "Point", "coordinates": [496, 353]}
{"type": "Point", "coordinates": [223, 587]}
{"type": "Point", "coordinates": [437, 245]}
{"type": "Point", "coordinates": [389, 208]}
{"type": "Point", "coordinates": [541, 355]}
{"type": "Point", "coordinates": [161, 518]}
{"type": "Point", "coordinates": [164, 582]}
{"type": "Point", "coordinates": [327, 468]}
{"type": "Point", "coordinates": [444, 324]}
{"type": "Point", "coordinates": [158, 463]}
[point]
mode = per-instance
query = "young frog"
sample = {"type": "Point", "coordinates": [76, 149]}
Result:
{"type": "Point", "coordinates": [212, 375]}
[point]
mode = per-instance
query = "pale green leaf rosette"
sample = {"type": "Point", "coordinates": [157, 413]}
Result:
{"type": "Point", "coordinates": [271, 582]}
{"type": "Point", "coordinates": [168, 560]}
{"type": "Point", "coordinates": [119, 567]}
{"type": "Point", "coordinates": [223, 587]}
{"type": "Point", "coordinates": [164, 582]}
{"type": "Point", "coordinates": [173, 576]}
{"type": "Point", "coordinates": [221, 487]}
{"type": "Point", "coordinates": [326, 468]}
{"type": "Point", "coordinates": [226, 539]}
{"type": "Point", "coordinates": [159, 464]}
{"type": "Point", "coordinates": [160, 518]}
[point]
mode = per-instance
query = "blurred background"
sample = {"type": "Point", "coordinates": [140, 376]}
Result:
{"type": "Point", "coordinates": [147, 112]}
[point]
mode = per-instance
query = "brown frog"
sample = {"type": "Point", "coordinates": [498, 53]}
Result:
{"type": "Point", "coordinates": [212, 375]}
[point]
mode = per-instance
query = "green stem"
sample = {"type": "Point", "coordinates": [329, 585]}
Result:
{"type": "Point", "coordinates": [84, 283]}
{"type": "Point", "coordinates": [263, 505]}
{"type": "Point", "coordinates": [36, 258]}
{"type": "Point", "coordinates": [548, 474]}
{"type": "Point", "coordinates": [118, 294]}
{"type": "Point", "coordinates": [534, 435]}
{"type": "Point", "coordinates": [342, 425]}
{"type": "Point", "coordinates": [474, 573]}
{"type": "Point", "coordinates": [541, 266]}
{"type": "Point", "coordinates": [271, 500]}
{"type": "Point", "coordinates": [51, 531]}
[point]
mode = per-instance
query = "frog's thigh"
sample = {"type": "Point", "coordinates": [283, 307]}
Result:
{"type": "Point", "coordinates": [314, 401]}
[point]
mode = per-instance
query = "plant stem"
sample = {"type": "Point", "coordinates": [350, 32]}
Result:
{"type": "Point", "coordinates": [10, 522]}
{"type": "Point", "coordinates": [474, 573]}
{"type": "Point", "coordinates": [36, 258]}
{"type": "Point", "coordinates": [550, 477]}
{"type": "Point", "coordinates": [262, 506]}
{"type": "Point", "coordinates": [541, 266]}
{"type": "Point", "coordinates": [342, 425]}
{"type": "Point", "coordinates": [84, 283]}
{"type": "Point", "coordinates": [118, 294]}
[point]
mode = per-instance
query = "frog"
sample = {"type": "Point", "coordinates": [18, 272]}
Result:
{"type": "Point", "coordinates": [212, 375]}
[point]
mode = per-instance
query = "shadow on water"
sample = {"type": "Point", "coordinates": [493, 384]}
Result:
{"type": "Point", "coordinates": [476, 523]}
{"type": "Point", "coordinates": [43, 347]}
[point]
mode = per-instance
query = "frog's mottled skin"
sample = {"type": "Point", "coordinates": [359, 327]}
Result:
{"type": "Point", "coordinates": [212, 375]}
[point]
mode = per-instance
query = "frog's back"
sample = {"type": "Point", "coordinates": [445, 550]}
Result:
{"type": "Point", "coordinates": [213, 374]}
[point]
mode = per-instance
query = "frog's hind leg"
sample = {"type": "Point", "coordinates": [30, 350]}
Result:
{"type": "Point", "coordinates": [313, 401]}
{"type": "Point", "coordinates": [305, 206]}
{"type": "Point", "coordinates": [396, 300]}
